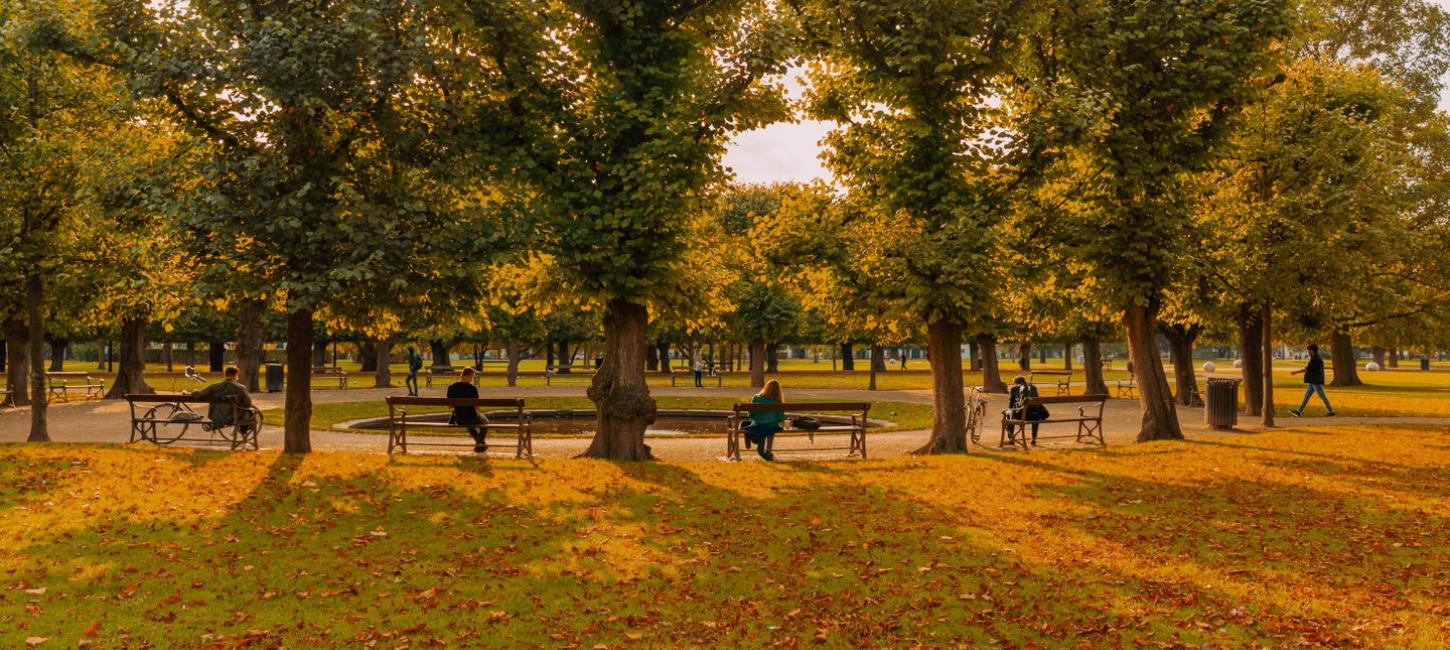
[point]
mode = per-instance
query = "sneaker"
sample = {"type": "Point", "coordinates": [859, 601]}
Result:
{"type": "Point", "coordinates": [1295, 413]}
{"type": "Point", "coordinates": [480, 449]}
{"type": "Point", "coordinates": [1329, 414]}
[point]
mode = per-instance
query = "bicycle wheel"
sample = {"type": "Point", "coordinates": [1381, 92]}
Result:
{"type": "Point", "coordinates": [979, 415]}
{"type": "Point", "coordinates": [165, 428]}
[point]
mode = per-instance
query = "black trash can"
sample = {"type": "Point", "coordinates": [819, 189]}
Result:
{"type": "Point", "coordinates": [1424, 363]}
{"type": "Point", "coordinates": [276, 378]}
{"type": "Point", "coordinates": [1222, 408]}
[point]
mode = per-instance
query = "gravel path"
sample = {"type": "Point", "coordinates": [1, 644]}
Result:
{"type": "Point", "coordinates": [108, 422]}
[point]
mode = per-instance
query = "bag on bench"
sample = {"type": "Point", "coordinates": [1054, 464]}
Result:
{"type": "Point", "coordinates": [1037, 412]}
{"type": "Point", "coordinates": [806, 423]}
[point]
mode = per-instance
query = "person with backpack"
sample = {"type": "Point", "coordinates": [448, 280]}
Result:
{"type": "Point", "coordinates": [1017, 409]}
{"type": "Point", "coordinates": [415, 363]}
{"type": "Point", "coordinates": [1313, 382]}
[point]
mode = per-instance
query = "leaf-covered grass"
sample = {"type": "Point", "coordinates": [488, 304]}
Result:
{"type": "Point", "coordinates": [1293, 538]}
{"type": "Point", "coordinates": [904, 416]}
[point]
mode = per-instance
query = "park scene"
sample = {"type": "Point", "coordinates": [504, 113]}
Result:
{"type": "Point", "coordinates": [725, 323]}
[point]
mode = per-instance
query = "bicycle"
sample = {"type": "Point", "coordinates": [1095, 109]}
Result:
{"type": "Point", "coordinates": [976, 412]}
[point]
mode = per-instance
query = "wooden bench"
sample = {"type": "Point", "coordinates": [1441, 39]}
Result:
{"type": "Point", "coordinates": [1089, 421]}
{"type": "Point", "coordinates": [170, 417]}
{"type": "Point", "coordinates": [329, 375]}
{"type": "Point", "coordinates": [62, 385]}
{"type": "Point", "coordinates": [1128, 388]}
{"type": "Point", "coordinates": [576, 372]}
{"type": "Point", "coordinates": [5, 394]}
{"type": "Point", "coordinates": [1063, 377]}
{"type": "Point", "coordinates": [856, 428]}
{"type": "Point", "coordinates": [399, 423]}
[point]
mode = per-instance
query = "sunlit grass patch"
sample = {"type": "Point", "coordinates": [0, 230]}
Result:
{"type": "Point", "coordinates": [1291, 538]}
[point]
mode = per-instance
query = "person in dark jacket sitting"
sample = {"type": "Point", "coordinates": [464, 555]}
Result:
{"type": "Point", "coordinates": [223, 414]}
{"type": "Point", "coordinates": [469, 416]}
{"type": "Point", "coordinates": [1313, 382]}
{"type": "Point", "coordinates": [1017, 409]}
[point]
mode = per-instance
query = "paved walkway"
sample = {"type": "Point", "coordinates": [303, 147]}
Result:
{"type": "Point", "coordinates": [108, 422]}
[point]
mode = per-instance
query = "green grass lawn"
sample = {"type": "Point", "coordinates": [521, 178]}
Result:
{"type": "Point", "coordinates": [1296, 538]}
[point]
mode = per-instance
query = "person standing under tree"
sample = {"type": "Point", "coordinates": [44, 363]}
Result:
{"type": "Point", "coordinates": [468, 416]}
{"type": "Point", "coordinates": [1313, 382]}
{"type": "Point", "coordinates": [415, 363]}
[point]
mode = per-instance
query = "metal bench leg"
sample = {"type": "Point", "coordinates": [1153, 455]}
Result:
{"type": "Point", "coordinates": [732, 444]}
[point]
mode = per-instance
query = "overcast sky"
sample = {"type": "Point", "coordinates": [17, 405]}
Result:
{"type": "Point", "coordinates": [789, 152]}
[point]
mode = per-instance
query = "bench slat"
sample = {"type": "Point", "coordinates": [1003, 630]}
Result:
{"type": "Point", "coordinates": [1067, 399]}
{"type": "Point", "coordinates": [802, 407]}
{"type": "Point", "coordinates": [173, 399]}
{"type": "Point", "coordinates": [399, 400]}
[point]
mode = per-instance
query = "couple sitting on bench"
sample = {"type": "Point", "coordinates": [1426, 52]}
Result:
{"type": "Point", "coordinates": [760, 430]}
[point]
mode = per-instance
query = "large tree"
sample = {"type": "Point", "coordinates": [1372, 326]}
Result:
{"type": "Point", "coordinates": [924, 139]}
{"type": "Point", "coordinates": [615, 116]}
{"type": "Point", "coordinates": [1164, 79]}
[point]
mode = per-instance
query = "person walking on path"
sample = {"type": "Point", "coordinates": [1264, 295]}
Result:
{"type": "Point", "coordinates": [699, 373]}
{"type": "Point", "coordinates": [1313, 383]}
{"type": "Point", "coordinates": [766, 424]}
{"type": "Point", "coordinates": [415, 363]}
{"type": "Point", "coordinates": [468, 416]}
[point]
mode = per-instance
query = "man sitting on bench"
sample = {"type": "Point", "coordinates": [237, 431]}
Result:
{"type": "Point", "coordinates": [223, 414]}
{"type": "Point", "coordinates": [469, 416]}
{"type": "Point", "coordinates": [1016, 401]}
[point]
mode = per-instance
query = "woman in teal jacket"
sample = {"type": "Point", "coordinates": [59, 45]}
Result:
{"type": "Point", "coordinates": [766, 424]}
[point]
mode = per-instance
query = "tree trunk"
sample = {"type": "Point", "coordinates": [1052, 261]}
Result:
{"type": "Point", "coordinates": [548, 355]}
{"type": "Point", "coordinates": [1251, 354]}
{"type": "Point", "coordinates": [949, 421]}
{"type": "Point", "coordinates": [383, 350]}
{"type": "Point", "coordinates": [249, 344]}
{"type": "Point", "coordinates": [439, 349]}
{"type": "Point", "coordinates": [663, 351]}
{"type": "Point", "coordinates": [216, 355]}
{"type": "Point", "coordinates": [130, 379]}
{"type": "Point", "coordinates": [1379, 356]}
{"type": "Point", "coordinates": [1092, 361]}
{"type": "Point", "coordinates": [110, 356]}
{"type": "Point", "coordinates": [974, 351]}
{"type": "Point", "coordinates": [848, 358]}
{"type": "Point", "coordinates": [17, 354]}
{"type": "Point", "coordinates": [991, 371]}
{"type": "Point", "coordinates": [652, 360]}
{"type": "Point", "coordinates": [757, 364]}
{"type": "Point", "coordinates": [772, 358]}
{"type": "Point", "coordinates": [34, 301]}
{"type": "Point", "coordinates": [166, 354]}
{"type": "Point", "coordinates": [565, 360]}
{"type": "Point", "coordinates": [3, 352]}
{"type": "Point", "coordinates": [1266, 364]}
{"type": "Point", "coordinates": [1180, 348]}
{"type": "Point", "coordinates": [1160, 417]}
{"type": "Point", "coordinates": [58, 354]}
{"type": "Point", "coordinates": [1067, 355]}
{"type": "Point", "coordinates": [319, 354]}
{"type": "Point", "coordinates": [1024, 357]}
{"type": "Point", "coordinates": [1341, 351]}
{"type": "Point", "coordinates": [878, 364]}
{"type": "Point", "coordinates": [1394, 358]}
{"type": "Point", "coordinates": [619, 392]}
{"type": "Point", "coordinates": [515, 356]}
{"type": "Point", "coordinates": [367, 355]}
{"type": "Point", "coordinates": [297, 429]}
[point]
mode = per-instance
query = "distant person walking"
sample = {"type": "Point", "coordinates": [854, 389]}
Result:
{"type": "Point", "coordinates": [1313, 382]}
{"type": "Point", "coordinates": [415, 363]}
{"type": "Point", "coordinates": [699, 373]}
{"type": "Point", "coordinates": [766, 424]}
{"type": "Point", "coordinates": [468, 416]}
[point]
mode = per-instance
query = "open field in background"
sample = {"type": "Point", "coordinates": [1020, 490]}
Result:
{"type": "Point", "coordinates": [1326, 538]}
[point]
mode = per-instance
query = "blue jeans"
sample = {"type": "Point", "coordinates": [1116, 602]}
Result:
{"type": "Point", "coordinates": [411, 382]}
{"type": "Point", "coordinates": [763, 435]}
{"type": "Point", "coordinates": [1309, 391]}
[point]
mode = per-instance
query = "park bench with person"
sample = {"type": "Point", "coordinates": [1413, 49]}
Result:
{"type": "Point", "coordinates": [1063, 379]}
{"type": "Point", "coordinates": [165, 419]}
{"type": "Point", "coordinates": [400, 422]}
{"type": "Point", "coordinates": [64, 386]}
{"type": "Point", "coordinates": [1088, 417]}
{"type": "Point", "coordinates": [796, 412]}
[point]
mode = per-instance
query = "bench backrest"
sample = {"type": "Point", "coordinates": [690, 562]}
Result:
{"type": "Point", "coordinates": [68, 375]}
{"type": "Point", "coordinates": [1066, 399]}
{"type": "Point", "coordinates": [400, 400]}
{"type": "Point", "coordinates": [1059, 373]}
{"type": "Point", "coordinates": [162, 398]}
{"type": "Point", "coordinates": [802, 407]}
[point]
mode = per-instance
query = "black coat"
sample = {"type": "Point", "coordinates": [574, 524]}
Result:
{"type": "Point", "coordinates": [465, 415]}
{"type": "Point", "coordinates": [1314, 372]}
